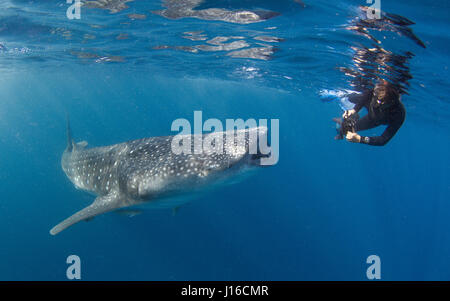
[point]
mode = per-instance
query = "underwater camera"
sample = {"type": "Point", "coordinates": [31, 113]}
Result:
{"type": "Point", "coordinates": [348, 125]}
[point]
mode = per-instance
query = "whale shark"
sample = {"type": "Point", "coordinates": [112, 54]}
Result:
{"type": "Point", "coordinates": [148, 172]}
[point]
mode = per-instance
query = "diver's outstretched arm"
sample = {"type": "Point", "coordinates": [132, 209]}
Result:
{"type": "Point", "coordinates": [394, 125]}
{"type": "Point", "coordinates": [384, 138]}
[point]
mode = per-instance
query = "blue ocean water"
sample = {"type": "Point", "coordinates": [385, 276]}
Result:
{"type": "Point", "coordinates": [127, 73]}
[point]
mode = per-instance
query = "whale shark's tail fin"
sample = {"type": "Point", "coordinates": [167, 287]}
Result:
{"type": "Point", "coordinates": [69, 135]}
{"type": "Point", "coordinates": [101, 205]}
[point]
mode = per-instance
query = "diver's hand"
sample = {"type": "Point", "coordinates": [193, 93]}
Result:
{"type": "Point", "coordinates": [353, 137]}
{"type": "Point", "coordinates": [348, 113]}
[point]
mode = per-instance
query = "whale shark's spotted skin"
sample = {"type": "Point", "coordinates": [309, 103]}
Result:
{"type": "Point", "coordinates": [148, 171]}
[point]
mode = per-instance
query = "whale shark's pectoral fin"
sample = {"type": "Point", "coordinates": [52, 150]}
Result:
{"type": "Point", "coordinates": [128, 213]}
{"type": "Point", "coordinates": [101, 205]}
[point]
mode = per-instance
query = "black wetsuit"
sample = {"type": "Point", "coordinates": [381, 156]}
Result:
{"type": "Point", "coordinates": [393, 117]}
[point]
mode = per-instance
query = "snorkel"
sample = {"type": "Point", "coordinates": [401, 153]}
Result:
{"type": "Point", "coordinates": [384, 96]}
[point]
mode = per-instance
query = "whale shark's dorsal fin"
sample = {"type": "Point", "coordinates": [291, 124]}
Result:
{"type": "Point", "coordinates": [69, 147]}
{"type": "Point", "coordinates": [101, 205]}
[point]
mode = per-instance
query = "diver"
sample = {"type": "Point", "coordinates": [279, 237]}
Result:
{"type": "Point", "coordinates": [384, 108]}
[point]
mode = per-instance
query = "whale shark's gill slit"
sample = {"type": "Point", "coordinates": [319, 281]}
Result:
{"type": "Point", "coordinates": [100, 205]}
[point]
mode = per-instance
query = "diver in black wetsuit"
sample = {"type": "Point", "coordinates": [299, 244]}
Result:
{"type": "Point", "coordinates": [384, 108]}
{"type": "Point", "coordinates": [371, 66]}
